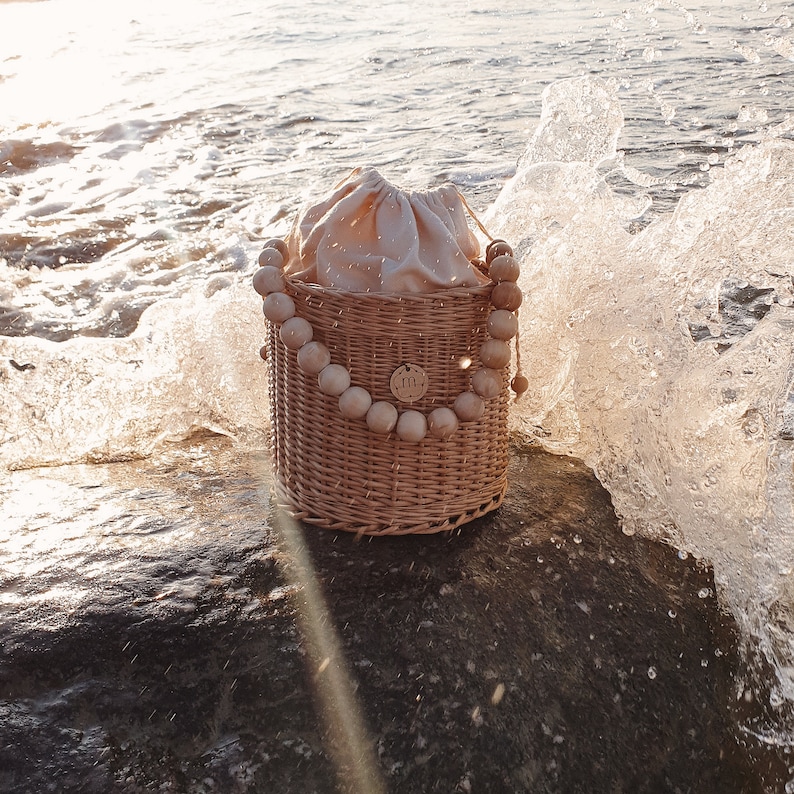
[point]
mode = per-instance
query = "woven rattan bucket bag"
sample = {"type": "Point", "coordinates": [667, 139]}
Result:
{"type": "Point", "coordinates": [380, 422]}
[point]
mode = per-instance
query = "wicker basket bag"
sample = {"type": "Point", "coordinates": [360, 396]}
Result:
{"type": "Point", "coordinates": [336, 473]}
{"type": "Point", "coordinates": [433, 362]}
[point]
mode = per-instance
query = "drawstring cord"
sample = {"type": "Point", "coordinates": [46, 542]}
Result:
{"type": "Point", "coordinates": [473, 216]}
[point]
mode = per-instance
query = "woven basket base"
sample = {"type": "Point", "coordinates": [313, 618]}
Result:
{"type": "Point", "coordinates": [286, 503]}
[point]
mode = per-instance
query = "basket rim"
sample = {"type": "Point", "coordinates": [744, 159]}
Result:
{"type": "Point", "coordinates": [290, 504]}
{"type": "Point", "coordinates": [451, 293]}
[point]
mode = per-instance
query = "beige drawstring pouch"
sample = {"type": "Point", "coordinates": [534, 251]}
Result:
{"type": "Point", "coordinates": [370, 236]}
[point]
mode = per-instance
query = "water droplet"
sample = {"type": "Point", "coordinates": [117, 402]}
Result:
{"type": "Point", "coordinates": [704, 662]}
{"type": "Point", "coordinates": [651, 673]}
{"type": "Point", "coordinates": [682, 555]}
{"type": "Point", "coordinates": [704, 592]}
{"type": "Point", "coordinates": [577, 539]}
{"type": "Point", "coordinates": [498, 694]}
{"type": "Point", "coordinates": [540, 558]}
{"type": "Point", "coordinates": [671, 613]}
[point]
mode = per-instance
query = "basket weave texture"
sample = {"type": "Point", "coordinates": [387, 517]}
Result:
{"type": "Point", "coordinates": [334, 472]}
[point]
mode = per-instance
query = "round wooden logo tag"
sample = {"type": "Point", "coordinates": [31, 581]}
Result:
{"type": "Point", "coordinates": [408, 383]}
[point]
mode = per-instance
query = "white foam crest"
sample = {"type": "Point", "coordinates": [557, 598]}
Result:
{"type": "Point", "coordinates": [665, 360]}
{"type": "Point", "coordinates": [191, 365]}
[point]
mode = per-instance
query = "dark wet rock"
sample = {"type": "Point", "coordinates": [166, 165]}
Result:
{"type": "Point", "coordinates": [214, 649]}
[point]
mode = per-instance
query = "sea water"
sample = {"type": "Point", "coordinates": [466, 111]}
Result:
{"type": "Point", "coordinates": [636, 153]}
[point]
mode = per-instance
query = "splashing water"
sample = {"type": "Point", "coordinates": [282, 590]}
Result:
{"type": "Point", "coordinates": [102, 400]}
{"type": "Point", "coordinates": [665, 359]}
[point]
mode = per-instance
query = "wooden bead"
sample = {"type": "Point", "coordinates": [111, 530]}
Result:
{"type": "Point", "coordinates": [263, 352]}
{"type": "Point", "coordinates": [504, 268]}
{"type": "Point", "coordinates": [468, 406]}
{"type": "Point", "coordinates": [502, 324]}
{"type": "Point", "coordinates": [495, 354]}
{"type": "Point", "coordinates": [497, 248]}
{"type": "Point", "coordinates": [278, 307]}
{"type": "Point", "coordinates": [269, 279]}
{"type": "Point", "coordinates": [296, 332]}
{"type": "Point", "coordinates": [487, 383]}
{"type": "Point", "coordinates": [382, 417]}
{"type": "Point", "coordinates": [519, 384]}
{"type": "Point", "coordinates": [279, 245]}
{"type": "Point", "coordinates": [271, 257]}
{"type": "Point", "coordinates": [411, 426]}
{"type": "Point", "coordinates": [442, 422]}
{"type": "Point", "coordinates": [506, 295]}
{"type": "Point", "coordinates": [333, 380]}
{"type": "Point", "coordinates": [313, 357]}
{"type": "Point", "coordinates": [354, 402]}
